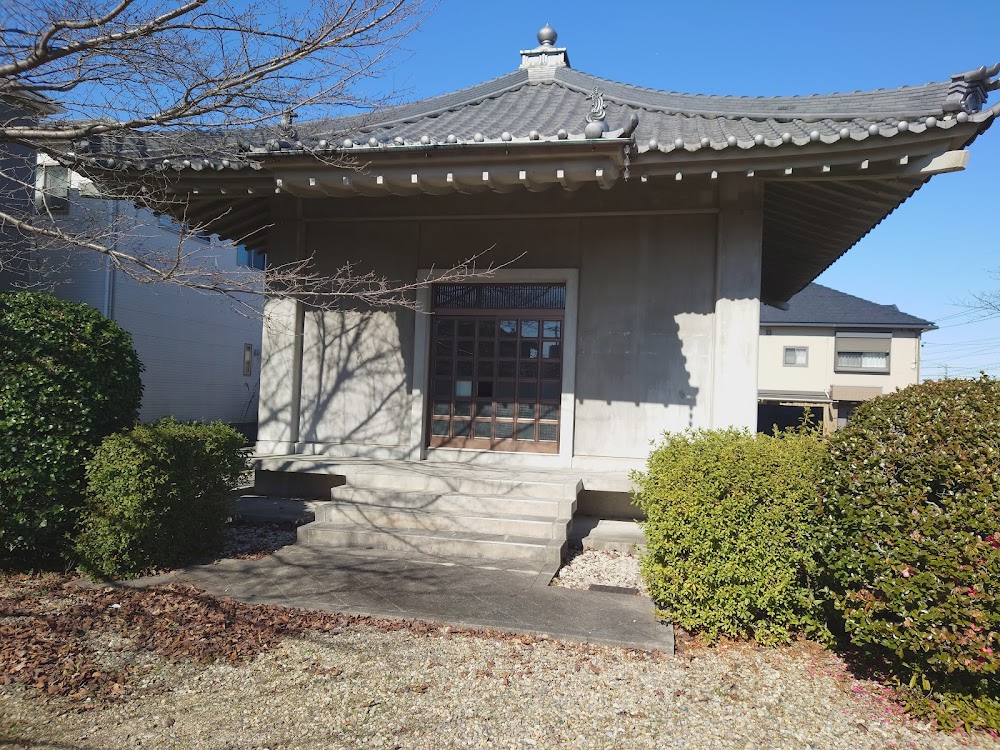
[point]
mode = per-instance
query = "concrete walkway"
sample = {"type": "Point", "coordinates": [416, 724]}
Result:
{"type": "Point", "coordinates": [381, 583]}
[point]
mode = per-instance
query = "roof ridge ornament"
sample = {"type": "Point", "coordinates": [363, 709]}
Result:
{"type": "Point", "coordinates": [969, 91]}
{"type": "Point", "coordinates": [596, 123]}
{"type": "Point", "coordinates": [543, 61]}
{"type": "Point", "coordinates": [597, 111]}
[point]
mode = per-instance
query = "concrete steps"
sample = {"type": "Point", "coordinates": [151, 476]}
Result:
{"type": "Point", "coordinates": [542, 553]}
{"type": "Point", "coordinates": [451, 502]}
{"type": "Point", "coordinates": [406, 518]}
{"type": "Point", "coordinates": [449, 511]}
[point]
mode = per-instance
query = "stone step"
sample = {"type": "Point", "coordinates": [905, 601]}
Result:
{"type": "Point", "coordinates": [382, 518]}
{"type": "Point", "coordinates": [453, 502]}
{"type": "Point", "coordinates": [444, 479]}
{"type": "Point", "coordinates": [440, 543]}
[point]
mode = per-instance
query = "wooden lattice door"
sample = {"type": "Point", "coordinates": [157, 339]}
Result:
{"type": "Point", "coordinates": [496, 366]}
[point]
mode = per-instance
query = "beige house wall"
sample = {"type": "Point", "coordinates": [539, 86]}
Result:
{"type": "Point", "coordinates": [819, 374]}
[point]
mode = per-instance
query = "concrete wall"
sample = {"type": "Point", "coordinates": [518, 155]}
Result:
{"type": "Point", "coordinates": [190, 343]}
{"type": "Point", "coordinates": [819, 374]}
{"type": "Point", "coordinates": [653, 288]}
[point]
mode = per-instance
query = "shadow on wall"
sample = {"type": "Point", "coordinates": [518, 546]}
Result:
{"type": "Point", "coordinates": [355, 381]}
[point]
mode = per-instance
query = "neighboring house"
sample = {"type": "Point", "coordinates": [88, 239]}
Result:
{"type": "Point", "coordinates": [829, 351]}
{"type": "Point", "coordinates": [201, 353]}
{"type": "Point", "coordinates": [642, 229]}
{"type": "Point", "coordinates": [17, 169]}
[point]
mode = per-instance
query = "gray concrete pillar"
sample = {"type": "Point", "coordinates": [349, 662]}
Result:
{"type": "Point", "coordinates": [737, 302]}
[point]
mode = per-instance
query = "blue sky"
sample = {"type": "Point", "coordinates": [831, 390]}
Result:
{"type": "Point", "coordinates": [928, 258]}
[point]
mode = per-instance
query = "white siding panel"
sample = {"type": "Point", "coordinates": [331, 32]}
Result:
{"type": "Point", "coordinates": [191, 343]}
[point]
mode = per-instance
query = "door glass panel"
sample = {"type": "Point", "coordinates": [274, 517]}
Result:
{"type": "Point", "coordinates": [484, 361]}
{"type": "Point", "coordinates": [548, 411]}
{"type": "Point", "coordinates": [551, 370]}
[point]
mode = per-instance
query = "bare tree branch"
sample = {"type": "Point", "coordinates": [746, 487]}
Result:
{"type": "Point", "coordinates": [168, 79]}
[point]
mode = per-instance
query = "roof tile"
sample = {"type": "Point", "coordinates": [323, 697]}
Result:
{"type": "Point", "coordinates": [821, 305]}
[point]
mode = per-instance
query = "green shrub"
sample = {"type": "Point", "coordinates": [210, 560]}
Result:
{"type": "Point", "coordinates": [911, 540]}
{"type": "Point", "coordinates": [68, 377]}
{"type": "Point", "coordinates": [158, 496]}
{"type": "Point", "coordinates": [730, 531]}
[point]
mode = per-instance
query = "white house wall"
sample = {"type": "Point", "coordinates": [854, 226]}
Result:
{"type": "Point", "coordinates": [819, 374]}
{"type": "Point", "coordinates": [190, 343]}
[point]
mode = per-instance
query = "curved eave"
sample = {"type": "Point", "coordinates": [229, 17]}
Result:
{"type": "Point", "coordinates": [811, 220]}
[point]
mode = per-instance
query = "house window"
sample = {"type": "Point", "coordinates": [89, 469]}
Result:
{"type": "Point", "coordinates": [863, 352]}
{"type": "Point", "coordinates": [250, 258]}
{"type": "Point", "coordinates": [796, 356]}
{"type": "Point", "coordinates": [247, 360]}
{"type": "Point", "coordinates": [52, 195]}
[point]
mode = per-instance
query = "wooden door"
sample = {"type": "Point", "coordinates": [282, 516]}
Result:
{"type": "Point", "coordinates": [496, 374]}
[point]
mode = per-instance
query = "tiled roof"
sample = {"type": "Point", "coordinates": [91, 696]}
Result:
{"type": "Point", "coordinates": [831, 167]}
{"type": "Point", "coordinates": [820, 305]}
{"type": "Point", "coordinates": [515, 106]}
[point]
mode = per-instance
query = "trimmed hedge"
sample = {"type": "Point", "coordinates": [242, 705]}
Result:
{"type": "Point", "coordinates": [731, 522]}
{"type": "Point", "coordinates": [911, 542]}
{"type": "Point", "coordinates": [158, 497]}
{"type": "Point", "coordinates": [68, 377]}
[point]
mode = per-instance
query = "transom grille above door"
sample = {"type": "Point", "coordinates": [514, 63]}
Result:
{"type": "Point", "coordinates": [496, 372]}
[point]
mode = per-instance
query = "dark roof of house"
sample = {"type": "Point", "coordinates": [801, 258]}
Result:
{"type": "Point", "coordinates": [820, 305]}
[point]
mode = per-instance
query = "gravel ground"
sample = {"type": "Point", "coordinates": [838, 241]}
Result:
{"type": "Point", "coordinates": [585, 568]}
{"type": "Point", "coordinates": [367, 688]}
